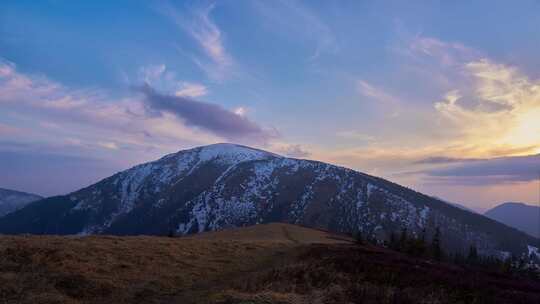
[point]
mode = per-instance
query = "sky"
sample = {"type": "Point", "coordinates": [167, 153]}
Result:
{"type": "Point", "coordinates": [440, 96]}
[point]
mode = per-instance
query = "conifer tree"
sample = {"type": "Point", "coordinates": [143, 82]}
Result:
{"type": "Point", "coordinates": [472, 257]}
{"type": "Point", "coordinates": [506, 266]}
{"type": "Point", "coordinates": [393, 241]}
{"type": "Point", "coordinates": [403, 240]}
{"type": "Point", "coordinates": [358, 238]}
{"type": "Point", "coordinates": [420, 244]}
{"type": "Point", "coordinates": [436, 245]}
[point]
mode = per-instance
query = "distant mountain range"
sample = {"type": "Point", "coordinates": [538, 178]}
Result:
{"type": "Point", "coordinates": [11, 200]}
{"type": "Point", "coordinates": [518, 215]}
{"type": "Point", "coordinates": [225, 185]}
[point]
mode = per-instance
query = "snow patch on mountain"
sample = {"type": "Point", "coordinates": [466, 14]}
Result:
{"type": "Point", "coordinates": [231, 154]}
{"type": "Point", "coordinates": [533, 251]}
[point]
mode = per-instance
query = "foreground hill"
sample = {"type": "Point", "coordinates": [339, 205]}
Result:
{"type": "Point", "coordinates": [11, 200]}
{"type": "Point", "coordinates": [221, 186]}
{"type": "Point", "coordinates": [274, 263]}
{"type": "Point", "coordinates": [518, 215]}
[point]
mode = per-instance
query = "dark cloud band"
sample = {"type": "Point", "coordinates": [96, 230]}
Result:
{"type": "Point", "coordinates": [207, 116]}
{"type": "Point", "coordinates": [445, 160]}
{"type": "Point", "coordinates": [496, 170]}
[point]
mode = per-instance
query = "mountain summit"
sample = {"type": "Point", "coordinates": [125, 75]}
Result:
{"type": "Point", "coordinates": [226, 185]}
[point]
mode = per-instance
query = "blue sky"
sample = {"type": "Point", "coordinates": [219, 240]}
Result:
{"type": "Point", "coordinates": [384, 87]}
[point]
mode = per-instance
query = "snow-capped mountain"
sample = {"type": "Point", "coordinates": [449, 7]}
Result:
{"type": "Point", "coordinates": [225, 185]}
{"type": "Point", "coordinates": [11, 200]}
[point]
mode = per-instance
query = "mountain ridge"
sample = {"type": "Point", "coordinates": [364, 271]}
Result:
{"type": "Point", "coordinates": [12, 200]}
{"type": "Point", "coordinates": [518, 215]}
{"type": "Point", "coordinates": [226, 185]}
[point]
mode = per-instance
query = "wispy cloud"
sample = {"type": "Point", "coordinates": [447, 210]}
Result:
{"type": "Point", "coordinates": [446, 53]}
{"type": "Point", "coordinates": [209, 37]}
{"type": "Point", "coordinates": [296, 19]}
{"type": "Point", "coordinates": [376, 93]}
{"type": "Point", "coordinates": [291, 150]}
{"type": "Point", "coordinates": [434, 62]}
{"type": "Point", "coordinates": [108, 145]}
{"type": "Point", "coordinates": [478, 116]}
{"type": "Point", "coordinates": [198, 24]}
{"type": "Point", "coordinates": [188, 89]}
{"type": "Point", "coordinates": [152, 73]}
{"type": "Point", "coordinates": [500, 107]}
{"type": "Point", "coordinates": [162, 78]}
{"type": "Point", "coordinates": [476, 107]}
{"type": "Point", "coordinates": [379, 94]}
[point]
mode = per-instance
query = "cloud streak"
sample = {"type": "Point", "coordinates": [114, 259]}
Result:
{"type": "Point", "coordinates": [188, 89]}
{"type": "Point", "coordinates": [162, 78]}
{"type": "Point", "coordinates": [207, 116]}
{"type": "Point", "coordinates": [445, 53]}
{"type": "Point", "coordinates": [209, 37]}
{"type": "Point", "coordinates": [198, 24]}
{"type": "Point", "coordinates": [444, 160]}
{"type": "Point", "coordinates": [496, 170]}
{"type": "Point", "coordinates": [292, 150]}
{"type": "Point", "coordinates": [294, 18]}
{"type": "Point", "coordinates": [380, 95]}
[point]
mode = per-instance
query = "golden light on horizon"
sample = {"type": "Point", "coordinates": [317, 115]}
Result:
{"type": "Point", "coordinates": [527, 130]}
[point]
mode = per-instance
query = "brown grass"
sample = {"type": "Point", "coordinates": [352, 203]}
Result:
{"type": "Point", "coordinates": [274, 263]}
{"type": "Point", "coordinates": [98, 269]}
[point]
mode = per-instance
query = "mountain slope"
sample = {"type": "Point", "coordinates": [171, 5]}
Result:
{"type": "Point", "coordinates": [11, 200]}
{"type": "Point", "coordinates": [224, 185]}
{"type": "Point", "coordinates": [518, 215]}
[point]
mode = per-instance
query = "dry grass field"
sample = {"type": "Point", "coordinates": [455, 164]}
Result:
{"type": "Point", "coordinates": [99, 269]}
{"type": "Point", "coordinates": [274, 263]}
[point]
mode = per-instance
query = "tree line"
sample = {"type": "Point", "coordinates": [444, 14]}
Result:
{"type": "Point", "coordinates": [418, 245]}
